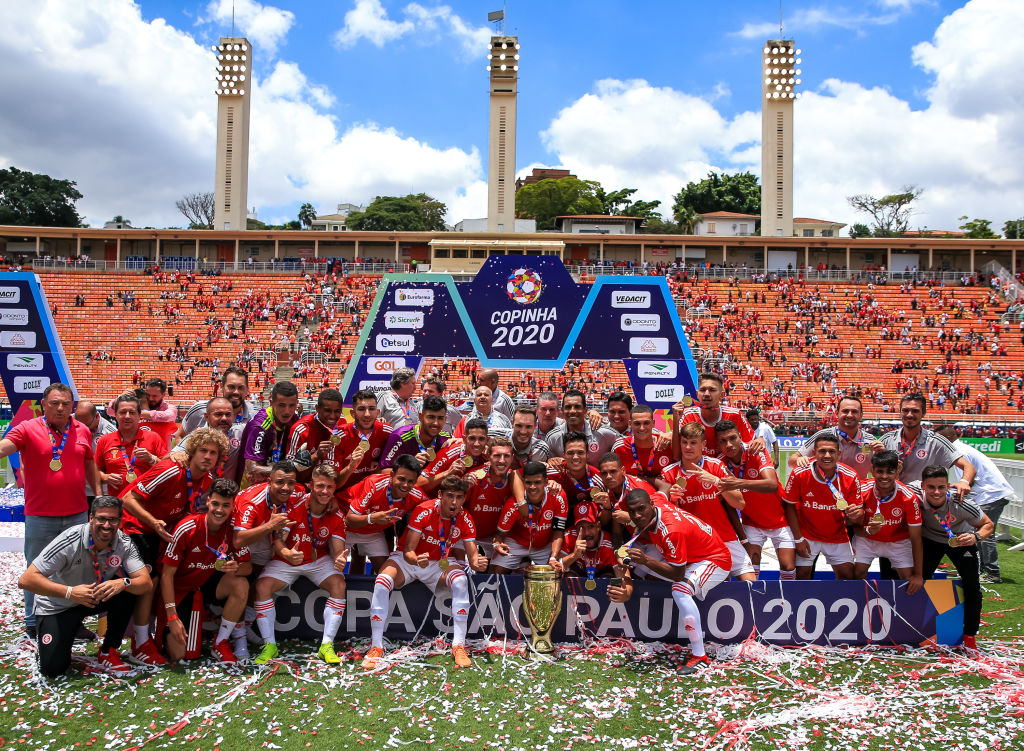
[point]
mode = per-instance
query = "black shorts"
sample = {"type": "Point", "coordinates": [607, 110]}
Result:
{"type": "Point", "coordinates": [148, 546]}
{"type": "Point", "coordinates": [209, 592]}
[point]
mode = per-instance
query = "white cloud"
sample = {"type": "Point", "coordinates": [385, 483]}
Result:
{"type": "Point", "coordinates": [964, 148]}
{"type": "Point", "coordinates": [369, 20]}
{"type": "Point", "coordinates": [264, 25]}
{"type": "Point", "coordinates": [813, 19]}
{"type": "Point", "coordinates": [136, 138]}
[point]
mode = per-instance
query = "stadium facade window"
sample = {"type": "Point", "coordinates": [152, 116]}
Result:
{"type": "Point", "coordinates": [441, 253]}
{"type": "Point", "coordinates": [808, 233]}
{"type": "Point", "coordinates": [478, 253]}
{"type": "Point", "coordinates": [460, 253]}
{"type": "Point", "coordinates": [711, 228]}
{"type": "Point", "coordinates": [827, 233]}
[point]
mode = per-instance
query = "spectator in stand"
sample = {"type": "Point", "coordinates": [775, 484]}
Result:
{"type": "Point", "coordinates": [764, 431]}
{"type": "Point", "coordinates": [990, 492]}
{"type": "Point", "coordinates": [503, 403]}
{"type": "Point", "coordinates": [56, 462]}
{"type": "Point", "coordinates": [397, 406]}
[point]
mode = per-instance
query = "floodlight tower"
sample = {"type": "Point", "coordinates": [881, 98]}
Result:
{"type": "Point", "coordinates": [779, 79]}
{"type": "Point", "coordinates": [234, 93]}
{"type": "Point", "coordinates": [501, 162]}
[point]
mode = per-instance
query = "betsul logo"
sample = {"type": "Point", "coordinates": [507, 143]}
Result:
{"type": "Point", "coordinates": [639, 322]}
{"type": "Point", "coordinates": [395, 342]}
{"type": "Point", "coordinates": [24, 362]}
{"type": "Point", "coordinates": [622, 298]}
{"type": "Point", "coordinates": [384, 364]}
{"type": "Point", "coordinates": [656, 369]}
{"type": "Point", "coordinates": [414, 297]}
{"type": "Point", "coordinates": [396, 319]}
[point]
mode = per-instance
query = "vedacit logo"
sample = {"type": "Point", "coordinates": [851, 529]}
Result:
{"type": "Point", "coordinates": [414, 297]}
{"type": "Point", "coordinates": [622, 298]}
{"type": "Point", "coordinates": [395, 343]}
{"type": "Point", "coordinates": [24, 362]}
{"type": "Point", "coordinates": [656, 369]}
{"type": "Point", "coordinates": [10, 294]}
{"type": "Point", "coordinates": [639, 322]}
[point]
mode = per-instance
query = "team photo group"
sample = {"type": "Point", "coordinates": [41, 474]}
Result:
{"type": "Point", "coordinates": [154, 542]}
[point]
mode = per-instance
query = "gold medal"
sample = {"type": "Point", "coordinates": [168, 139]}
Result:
{"type": "Point", "coordinates": [55, 465]}
{"type": "Point", "coordinates": [480, 474]}
{"type": "Point", "coordinates": [335, 438]}
{"type": "Point", "coordinates": [467, 461]}
{"type": "Point", "coordinates": [364, 446]}
{"type": "Point", "coordinates": [841, 504]}
{"type": "Point", "coordinates": [681, 482]}
{"type": "Point", "coordinates": [954, 542]}
{"type": "Point", "coordinates": [590, 584]}
{"type": "Point", "coordinates": [878, 518]}
{"type": "Point", "coordinates": [219, 564]}
{"type": "Point", "coordinates": [595, 492]}
{"type": "Point", "coordinates": [131, 477]}
{"type": "Point", "coordinates": [622, 552]}
{"type": "Point", "coordinates": [443, 564]}
{"type": "Point", "coordinates": [431, 455]}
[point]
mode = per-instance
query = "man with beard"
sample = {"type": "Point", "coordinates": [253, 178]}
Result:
{"type": "Point", "coordinates": [856, 445]}
{"type": "Point", "coordinates": [587, 551]}
{"type": "Point", "coordinates": [265, 439]}
{"type": "Point", "coordinates": [423, 440]}
{"type": "Point", "coordinates": [598, 441]}
{"type": "Point", "coordinates": [234, 388]}
{"type": "Point", "coordinates": [436, 387]}
{"type": "Point", "coordinates": [490, 489]}
{"type": "Point", "coordinates": [526, 446]}
{"type": "Point", "coordinates": [219, 416]}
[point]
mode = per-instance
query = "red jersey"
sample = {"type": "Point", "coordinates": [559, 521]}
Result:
{"type": "Point", "coordinates": [630, 483]}
{"type": "Point", "coordinates": [901, 511]}
{"type": "Point", "coordinates": [820, 519]}
{"type": "Point", "coordinates": [682, 538]}
{"type": "Point", "coordinates": [194, 551]}
{"type": "Point", "coordinates": [701, 498]}
{"type": "Point", "coordinates": [485, 503]}
{"type": "Point", "coordinates": [311, 535]}
{"type": "Point", "coordinates": [692, 414]}
{"type": "Point", "coordinates": [374, 494]}
{"type": "Point", "coordinates": [168, 492]}
{"type": "Point", "coordinates": [536, 531]}
{"type": "Point", "coordinates": [447, 457]}
{"type": "Point", "coordinates": [645, 463]}
{"type": "Point", "coordinates": [351, 436]}
{"type": "Point", "coordinates": [114, 456]}
{"type": "Point", "coordinates": [252, 508]}
{"type": "Point", "coordinates": [309, 433]}
{"type": "Point", "coordinates": [602, 558]}
{"type": "Point", "coordinates": [761, 510]}
{"type": "Point", "coordinates": [437, 534]}
{"type": "Point", "coordinates": [575, 490]}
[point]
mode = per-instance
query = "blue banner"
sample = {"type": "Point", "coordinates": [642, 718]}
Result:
{"type": "Point", "coordinates": [782, 613]}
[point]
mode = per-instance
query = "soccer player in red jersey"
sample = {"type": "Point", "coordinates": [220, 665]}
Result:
{"type": "Point", "coordinates": [451, 460]}
{"type": "Point", "coordinates": [537, 538]}
{"type": "Point", "coordinates": [378, 503]}
{"type": "Point", "coordinates": [822, 493]}
{"type": "Point", "coordinates": [260, 512]}
{"type": "Point", "coordinates": [129, 452]}
{"type": "Point", "coordinates": [891, 523]}
{"type": "Point", "coordinates": [362, 443]}
{"type": "Point", "coordinates": [696, 487]}
{"type": "Point", "coordinates": [319, 433]}
{"type": "Point", "coordinates": [202, 567]}
{"type": "Point", "coordinates": [587, 551]}
{"type": "Point", "coordinates": [435, 527]}
{"type": "Point", "coordinates": [765, 517]}
{"type": "Point", "coordinates": [313, 547]}
{"type": "Point", "coordinates": [684, 550]}
{"type": "Point", "coordinates": [490, 489]}
{"type": "Point", "coordinates": [154, 505]}
{"type": "Point", "coordinates": [708, 411]}
{"type": "Point", "coordinates": [643, 453]}
{"type": "Point", "coordinates": [579, 481]}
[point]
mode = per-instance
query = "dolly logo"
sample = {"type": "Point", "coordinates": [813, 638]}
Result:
{"type": "Point", "coordinates": [524, 286]}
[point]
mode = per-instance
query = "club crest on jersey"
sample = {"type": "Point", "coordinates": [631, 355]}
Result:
{"type": "Point", "coordinates": [114, 561]}
{"type": "Point", "coordinates": [897, 511]}
{"type": "Point", "coordinates": [706, 485]}
{"type": "Point", "coordinates": [663, 461]}
{"type": "Point", "coordinates": [921, 453]}
{"type": "Point", "coordinates": [323, 532]}
{"type": "Point", "coordinates": [376, 453]}
{"type": "Point", "coordinates": [861, 458]}
{"type": "Point", "coordinates": [456, 533]}
{"type": "Point", "coordinates": [235, 442]}
{"type": "Point", "coordinates": [549, 515]}
{"type": "Point", "coordinates": [752, 473]}
{"type": "Point", "coordinates": [595, 447]}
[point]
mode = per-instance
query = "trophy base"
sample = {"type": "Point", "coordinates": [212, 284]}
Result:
{"type": "Point", "coordinates": [542, 649]}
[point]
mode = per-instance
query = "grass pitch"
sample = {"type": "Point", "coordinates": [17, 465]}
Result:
{"type": "Point", "coordinates": [607, 696]}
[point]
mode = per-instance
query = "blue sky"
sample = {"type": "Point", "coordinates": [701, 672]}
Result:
{"type": "Point", "coordinates": [363, 97]}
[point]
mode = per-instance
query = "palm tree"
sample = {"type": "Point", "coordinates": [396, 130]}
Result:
{"type": "Point", "coordinates": [307, 214]}
{"type": "Point", "coordinates": [686, 217]}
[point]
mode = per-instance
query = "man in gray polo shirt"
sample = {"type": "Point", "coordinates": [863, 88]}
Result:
{"type": "Point", "coordinates": [855, 444]}
{"type": "Point", "coordinates": [919, 447]}
{"type": "Point", "coordinates": [526, 446]}
{"type": "Point", "coordinates": [397, 406]}
{"type": "Point", "coordinates": [599, 440]}
{"type": "Point", "coordinates": [87, 569]}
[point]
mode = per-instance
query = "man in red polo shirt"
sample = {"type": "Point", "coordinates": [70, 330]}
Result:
{"type": "Point", "coordinates": [56, 462]}
{"type": "Point", "coordinates": [125, 455]}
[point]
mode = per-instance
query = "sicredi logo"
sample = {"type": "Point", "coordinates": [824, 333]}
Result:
{"type": "Point", "coordinates": [384, 364]}
{"type": "Point", "coordinates": [14, 317]}
{"type": "Point", "coordinates": [414, 297]}
{"type": "Point", "coordinates": [395, 342]}
{"type": "Point", "coordinates": [18, 339]}
{"type": "Point", "coordinates": [377, 387]}
{"type": "Point", "coordinates": [987, 447]}
{"type": "Point", "coordinates": [666, 393]}
{"type": "Point", "coordinates": [648, 345]}
{"type": "Point", "coordinates": [635, 322]}
{"type": "Point", "coordinates": [622, 298]}
{"type": "Point", "coordinates": [10, 294]}
{"type": "Point", "coordinates": [30, 384]}
{"type": "Point", "coordinates": [24, 362]}
{"type": "Point", "coordinates": [398, 319]}
{"type": "Point", "coordinates": [656, 369]}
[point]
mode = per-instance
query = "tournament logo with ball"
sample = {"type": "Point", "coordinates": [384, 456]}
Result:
{"type": "Point", "coordinates": [921, 453]}
{"type": "Point", "coordinates": [549, 515]}
{"type": "Point", "coordinates": [524, 286]}
{"type": "Point", "coordinates": [114, 561]}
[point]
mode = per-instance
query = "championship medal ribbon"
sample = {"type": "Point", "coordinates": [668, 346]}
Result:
{"type": "Point", "coordinates": [100, 574]}
{"type": "Point", "coordinates": [221, 552]}
{"type": "Point", "coordinates": [312, 529]}
{"type": "Point", "coordinates": [364, 440]}
{"type": "Point", "coordinates": [431, 453]}
{"type": "Point", "coordinates": [636, 457]}
{"type": "Point", "coordinates": [855, 440]}
{"type": "Point", "coordinates": [878, 517]}
{"type": "Point", "coordinates": [55, 464]}
{"type": "Point", "coordinates": [953, 537]}
{"type": "Point", "coordinates": [841, 502]}
{"type": "Point", "coordinates": [443, 563]}
{"type": "Point", "coordinates": [623, 551]}
{"type": "Point", "coordinates": [686, 475]}
{"type": "Point", "coordinates": [591, 566]}
{"type": "Point", "coordinates": [129, 459]}
{"type": "Point", "coordinates": [905, 450]}
{"type": "Point", "coordinates": [192, 503]}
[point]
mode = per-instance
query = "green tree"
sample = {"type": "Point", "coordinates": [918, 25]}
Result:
{"type": "Point", "coordinates": [685, 217]}
{"type": "Point", "coordinates": [889, 214]}
{"type": "Point", "coordinates": [977, 229]}
{"type": "Point", "coordinates": [740, 192]}
{"type": "Point", "coordinates": [37, 200]}
{"type": "Point", "coordinates": [860, 230]}
{"type": "Point", "coordinates": [411, 213]}
{"type": "Point", "coordinates": [306, 215]}
{"type": "Point", "coordinates": [1013, 229]}
{"type": "Point", "coordinates": [656, 225]}
{"type": "Point", "coordinates": [566, 196]}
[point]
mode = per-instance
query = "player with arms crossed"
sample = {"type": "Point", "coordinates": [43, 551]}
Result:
{"type": "Point", "coordinates": [434, 529]}
{"type": "Point", "coordinates": [313, 546]}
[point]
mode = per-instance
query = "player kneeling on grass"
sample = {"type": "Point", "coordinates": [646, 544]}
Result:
{"type": "Point", "coordinates": [434, 528]}
{"type": "Point", "coordinates": [591, 555]}
{"type": "Point", "coordinates": [313, 546]}
{"type": "Point", "coordinates": [80, 573]}
{"type": "Point", "coordinates": [686, 551]}
{"type": "Point", "coordinates": [537, 538]}
{"type": "Point", "coordinates": [201, 567]}
{"type": "Point", "coordinates": [887, 523]}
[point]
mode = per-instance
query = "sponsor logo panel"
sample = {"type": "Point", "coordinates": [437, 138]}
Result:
{"type": "Point", "coordinates": [18, 339]}
{"type": "Point", "coordinates": [395, 343]}
{"type": "Point", "coordinates": [656, 369]}
{"type": "Point", "coordinates": [384, 364]}
{"type": "Point", "coordinates": [30, 384]}
{"type": "Point", "coordinates": [648, 345]}
{"type": "Point", "coordinates": [656, 392]}
{"type": "Point", "coordinates": [24, 362]}
{"type": "Point", "coordinates": [400, 319]}
{"type": "Point", "coordinates": [10, 294]}
{"type": "Point", "coordinates": [414, 297]}
{"type": "Point", "coordinates": [13, 317]}
{"type": "Point", "coordinates": [623, 298]}
{"type": "Point", "coordinates": [639, 322]}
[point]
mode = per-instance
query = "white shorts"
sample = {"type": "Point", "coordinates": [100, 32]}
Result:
{"type": "Point", "coordinates": [703, 576]}
{"type": "Point", "coordinates": [519, 555]}
{"type": "Point", "coordinates": [781, 538]}
{"type": "Point", "coordinates": [899, 553]}
{"type": "Point", "coordinates": [372, 544]}
{"type": "Point", "coordinates": [740, 559]}
{"type": "Point", "coordinates": [835, 553]}
{"type": "Point", "coordinates": [260, 552]}
{"type": "Point", "coordinates": [316, 571]}
{"type": "Point", "coordinates": [431, 575]}
{"type": "Point", "coordinates": [483, 547]}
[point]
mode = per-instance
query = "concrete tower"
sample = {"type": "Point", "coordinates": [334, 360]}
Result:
{"type": "Point", "coordinates": [779, 79]}
{"type": "Point", "coordinates": [234, 92]}
{"type": "Point", "coordinates": [501, 162]}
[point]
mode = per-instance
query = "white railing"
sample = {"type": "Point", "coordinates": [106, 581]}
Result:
{"type": "Point", "coordinates": [766, 275]}
{"type": "Point", "coordinates": [1013, 514]}
{"type": "Point", "coordinates": [188, 263]}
